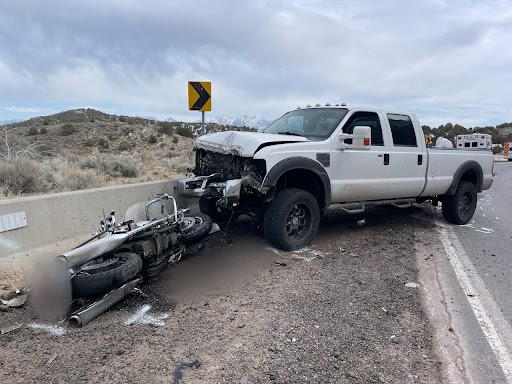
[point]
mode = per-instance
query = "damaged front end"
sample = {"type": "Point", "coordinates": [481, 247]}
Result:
{"type": "Point", "coordinates": [225, 181]}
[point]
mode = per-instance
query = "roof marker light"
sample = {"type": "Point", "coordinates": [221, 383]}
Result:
{"type": "Point", "coordinates": [308, 106]}
{"type": "Point", "coordinates": [343, 104]}
{"type": "Point", "coordinates": [317, 105]}
{"type": "Point", "coordinates": [298, 107]}
{"type": "Point", "coordinates": [328, 104]}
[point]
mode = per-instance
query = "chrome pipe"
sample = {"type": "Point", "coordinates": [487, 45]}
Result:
{"type": "Point", "coordinates": [89, 251]}
{"type": "Point", "coordinates": [90, 311]}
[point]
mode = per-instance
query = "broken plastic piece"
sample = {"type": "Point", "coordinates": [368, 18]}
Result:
{"type": "Point", "coordinates": [17, 301]}
{"type": "Point", "coordinates": [10, 328]}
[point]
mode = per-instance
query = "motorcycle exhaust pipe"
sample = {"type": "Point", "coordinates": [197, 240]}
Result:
{"type": "Point", "coordinates": [90, 311]}
{"type": "Point", "coordinates": [89, 251]}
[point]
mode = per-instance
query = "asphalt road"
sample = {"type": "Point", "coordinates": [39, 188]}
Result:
{"type": "Point", "coordinates": [487, 240]}
{"type": "Point", "coordinates": [481, 261]}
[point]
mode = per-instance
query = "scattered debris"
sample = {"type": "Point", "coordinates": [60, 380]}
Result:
{"type": "Point", "coordinates": [141, 317]}
{"type": "Point", "coordinates": [412, 285]}
{"type": "Point", "coordinates": [450, 329]}
{"type": "Point", "coordinates": [394, 339]}
{"type": "Point", "coordinates": [5, 287]}
{"type": "Point", "coordinates": [10, 328]}
{"type": "Point", "coordinates": [280, 263]}
{"type": "Point", "coordinates": [178, 375]}
{"type": "Point", "coordinates": [384, 309]}
{"type": "Point", "coordinates": [215, 228]}
{"type": "Point", "coordinates": [52, 329]}
{"type": "Point", "coordinates": [15, 302]}
{"type": "Point", "coordinates": [273, 250]}
{"type": "Point", "coordinates": [51, 359]}
{"type": "Point", "coordinates": [308, 254]}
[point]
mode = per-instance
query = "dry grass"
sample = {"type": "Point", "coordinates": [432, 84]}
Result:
{"type": "Point", "coordinates": [51, 162]}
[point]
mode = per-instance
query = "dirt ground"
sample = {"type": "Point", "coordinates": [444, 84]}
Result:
{"type": "Point", "coordinates": [337, 312]}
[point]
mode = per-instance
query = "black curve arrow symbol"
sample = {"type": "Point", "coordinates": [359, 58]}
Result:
{"type": "Point", "coordinates": [204, 96]}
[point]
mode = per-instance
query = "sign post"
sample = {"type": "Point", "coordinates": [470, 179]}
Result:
{"type": "Point", "coordinates": [200, 98]}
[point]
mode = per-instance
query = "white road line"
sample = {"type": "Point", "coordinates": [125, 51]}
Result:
{"type": "Point", "coordinates": [489, 317]}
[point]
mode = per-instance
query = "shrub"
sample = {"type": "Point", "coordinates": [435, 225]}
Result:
{"type": "Point", "coordinates": [152, 139]}
{"type": "Point", "coordinates": [103, 143]}
{"type": "Point", "coordinates": [43, 131]}
{"type": "Point", "coordinates": [112, 165]}
{"type": "Point", "coordinates": [184, 131]}
{"type": "Point", "coordinates": [32, 131]}
{"type": "Point", "coordinates": [124, 146]}
{"type": "Point", "coordinates": [89, 142]}
{"type": "Point", "coordinates": [165, 127]}
{"type": "Point", "coordinates": [122, 119]}
{"type": "Point", "coordinates": [68, 129]}
{"type": "Point", "coordinates": [175, 140]}
{"type": "Point", "coordinates": [46, 122]}
{"type": "Point", "coordinates": [74, 179]}
{"type": "Point", "coordinates": [21, 175]}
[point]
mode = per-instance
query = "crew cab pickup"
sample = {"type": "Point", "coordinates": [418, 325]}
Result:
{"type": "Point", "coordinates": [310, 158]}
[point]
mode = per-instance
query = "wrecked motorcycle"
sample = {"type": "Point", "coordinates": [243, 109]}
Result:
{"type": "Point", "coordinates": [116, 259]}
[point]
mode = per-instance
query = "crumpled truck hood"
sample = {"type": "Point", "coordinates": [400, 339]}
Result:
{"type": "Point", "coordinates": [243, 144]}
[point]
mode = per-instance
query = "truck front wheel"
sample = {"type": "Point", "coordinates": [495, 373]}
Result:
{"type": "Point", "coordinates": [291, 219]}
{"type": "Point", "coordinates": [460, 207]}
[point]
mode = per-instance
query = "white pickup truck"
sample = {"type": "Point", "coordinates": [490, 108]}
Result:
{"type": "Point", "coordinates": [310, 158]}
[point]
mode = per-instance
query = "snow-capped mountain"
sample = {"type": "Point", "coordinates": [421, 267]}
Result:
{"type": "Point", "coordinates": [240, 121]}
{"type": "Point", "coordinates": [11, 121]}
{"type": "Point", "coordinates": [170, 120]}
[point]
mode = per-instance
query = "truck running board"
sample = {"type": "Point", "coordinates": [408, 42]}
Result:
{"type": "Point", "coordinates": [360, 207]}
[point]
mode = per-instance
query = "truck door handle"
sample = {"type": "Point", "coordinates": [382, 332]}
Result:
{"type": "Point", "coordinates": [420, 159]}
{"type": "Point", "coordinates": [386, 159]}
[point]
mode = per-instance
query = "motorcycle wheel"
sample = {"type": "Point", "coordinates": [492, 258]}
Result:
{"type": "Point", "coordinates": [195, 227]}
{"type": "Point", "coordinates": [105, 273]}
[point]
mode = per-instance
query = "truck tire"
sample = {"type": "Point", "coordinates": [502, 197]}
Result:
{"type": "Point", "coordinates": [196, 227]}
{"type": "Point", "coordinates": [460, 207]}
{"type": "Point", "coordinates": [291, 219]}
{"type": "Point", "coordinates": [105, 273]}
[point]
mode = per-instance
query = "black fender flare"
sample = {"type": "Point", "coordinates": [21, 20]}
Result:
{"type": "Point", "coordinates": [299, 162]}
{"type": "Point", "coordinates": [470, 165]}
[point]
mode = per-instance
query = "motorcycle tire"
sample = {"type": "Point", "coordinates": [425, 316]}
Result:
{"type": "Point", "coordinates": [105, 273]}
{"type": "Point", "coordinates": [196, 231]}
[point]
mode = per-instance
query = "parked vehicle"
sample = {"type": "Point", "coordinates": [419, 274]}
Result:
{"type": "Point", "coordinates": [117, 258]}
{"type": "Point", "coordinates": [474, 141]}
{"type": "Point", "coordinates": [310, 158]}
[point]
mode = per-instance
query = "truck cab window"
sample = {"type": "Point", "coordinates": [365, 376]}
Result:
{"type": "Point", "coordinates": [370, 119]}
{"type": "Point", "coordinates": [402, 130]}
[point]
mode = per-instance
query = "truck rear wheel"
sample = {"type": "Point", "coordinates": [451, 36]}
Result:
{"type": "Point", "coordinates": [460, 207]}
{"type": "Point", "coordinates": [291, 219]}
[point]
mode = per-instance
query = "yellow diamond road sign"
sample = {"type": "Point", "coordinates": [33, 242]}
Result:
{"type": "Point", "coordinates": [200, 95]}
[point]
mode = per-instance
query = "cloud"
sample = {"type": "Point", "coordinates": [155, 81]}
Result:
{"type": "Point", "coordinates": [22, 109]}
{"type": "Point", "coordinates": [262, 57]}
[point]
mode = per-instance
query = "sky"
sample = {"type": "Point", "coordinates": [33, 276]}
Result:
{"type": "Point", "coordinates": [446, 61]}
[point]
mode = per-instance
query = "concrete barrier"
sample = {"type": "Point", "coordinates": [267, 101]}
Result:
{"type": "Point", "coordinates": [49, 219]}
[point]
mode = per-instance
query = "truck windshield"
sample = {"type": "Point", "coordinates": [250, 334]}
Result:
{"type": "Point", "coordinates": [312, 123]}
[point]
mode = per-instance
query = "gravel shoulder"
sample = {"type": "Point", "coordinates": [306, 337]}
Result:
{"type": "Point", "coordinates": [337, 312]}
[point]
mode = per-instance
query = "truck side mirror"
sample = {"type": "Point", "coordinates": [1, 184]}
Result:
{"type": "Point", "coordinates": [360, 139]}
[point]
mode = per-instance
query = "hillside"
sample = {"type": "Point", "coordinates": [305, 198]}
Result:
{"type": "Point", "coordinates": [85, 148]}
